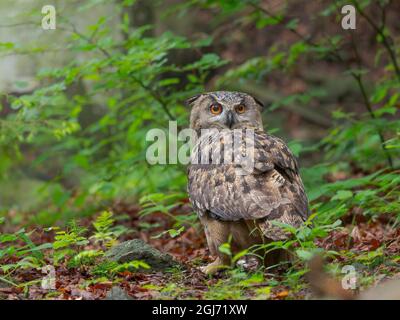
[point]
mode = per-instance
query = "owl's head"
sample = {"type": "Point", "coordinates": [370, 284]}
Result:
{"type": "Point", "coordinates": [225, 110]}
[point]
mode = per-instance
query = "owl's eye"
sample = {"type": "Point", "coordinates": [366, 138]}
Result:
{"type": "Point", "coordinates": [240, 108]}
{"type": "Point", "coordinates": [216, 108]}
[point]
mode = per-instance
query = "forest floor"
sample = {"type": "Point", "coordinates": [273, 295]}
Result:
{"type": "Point", "coordinates": [371, 245]}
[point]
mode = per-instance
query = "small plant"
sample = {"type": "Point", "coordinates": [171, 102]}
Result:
{"type": "Point", "coordinates": [103, 229]}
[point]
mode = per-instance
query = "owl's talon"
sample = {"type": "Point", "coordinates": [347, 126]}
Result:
{"type": "Point", "coordinates": [213, 267]}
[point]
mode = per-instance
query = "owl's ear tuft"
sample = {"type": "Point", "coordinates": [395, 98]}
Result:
{"type": "Point", "coordinates": [259, 102]}
{"type": "Point", "coordinates": [189, 101]}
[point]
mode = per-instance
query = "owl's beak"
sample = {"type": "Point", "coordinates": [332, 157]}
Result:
{"type": "Point", "coordinates": [230, 119]}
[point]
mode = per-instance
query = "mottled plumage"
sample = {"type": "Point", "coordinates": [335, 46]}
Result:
{"type": "Point", "coordinates": [230, 200]}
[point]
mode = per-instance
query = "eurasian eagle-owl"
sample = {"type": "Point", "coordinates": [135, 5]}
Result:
{"type": "Point", "coordinates": [234, 206]}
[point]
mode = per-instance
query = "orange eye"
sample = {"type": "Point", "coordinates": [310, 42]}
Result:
{"type": "Point", "coordinates": [240, 108]}
{"type": "Point", "coordinates": [216, 108]}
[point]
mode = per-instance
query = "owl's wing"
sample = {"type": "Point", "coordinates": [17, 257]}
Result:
{"type": "Point", "coordinates": [274, 187]}
{"type": "Point", "coordinates": [273, 191]}
{"type": "Point", "coordinates": [272, 153]}
{"type": "Point", "coordinates": [283, 190]}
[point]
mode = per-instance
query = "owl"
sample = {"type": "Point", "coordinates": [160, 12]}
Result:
{"type": "Point", "coordinates": [243, 207]}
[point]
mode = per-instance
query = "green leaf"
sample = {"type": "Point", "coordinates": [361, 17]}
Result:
{"type": "Point", "coordinates": [225, 248]}
{"type": "Point", "coordinates": [295, 147]}
{"type": "Point", "coordinates": [174, 233]}
{"type": "Point", "coordinates": [342, 195]}
{"type": "Point", "coordinates": [304, 255]}
{"type": "Point", "coordinates": [6, 45]}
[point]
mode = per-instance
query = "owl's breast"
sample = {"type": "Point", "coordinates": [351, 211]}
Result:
{"type": "Point", "coordinates": [214, 188]}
